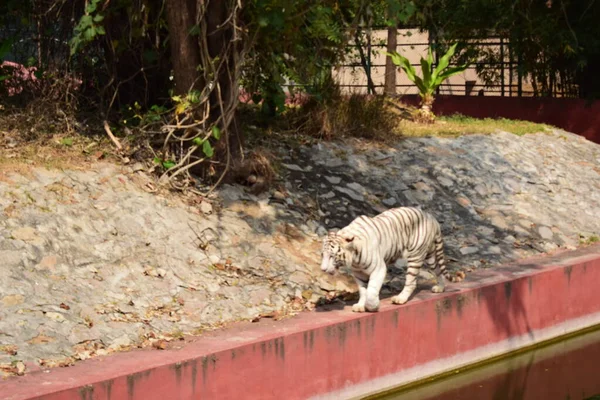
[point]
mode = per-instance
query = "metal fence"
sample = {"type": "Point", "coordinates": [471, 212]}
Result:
{"type": "Point", "coordinates": [509, 79]}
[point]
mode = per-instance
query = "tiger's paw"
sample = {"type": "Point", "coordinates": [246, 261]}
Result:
{"type": "Point", "coordinates": [438, 289]}
{"type": "Point", "coordinates": [358, 307]}
{"type": "Point", "coordinates": [399, 299]}
{"type": "Point", "coordinates": [372, 305]}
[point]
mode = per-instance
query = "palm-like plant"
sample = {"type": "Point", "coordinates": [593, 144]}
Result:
{"type": "Point", "coordinates": [432, 77]}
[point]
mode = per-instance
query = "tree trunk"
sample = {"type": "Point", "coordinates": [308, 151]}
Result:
{"type": "Point", "coordinates": [185, 52]}
{"type": "Point", "coordinates": [216, 37]}
{"type": "Point", "coordinates": [363, 61]}
{"type": "Point", "coordinates": [425, 113]}
{"type": "Point", "coordinates": [390, 68]}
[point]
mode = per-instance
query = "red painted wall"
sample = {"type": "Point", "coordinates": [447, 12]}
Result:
{"type": "Point", "coordinates": [322, 352]}
{"type": "Point", "coordinates": [573, 115]}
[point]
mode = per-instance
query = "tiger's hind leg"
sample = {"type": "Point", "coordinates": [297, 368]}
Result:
{"type": "Point", "coordinates": [431, 261]}
{"type": "Point", "coordinates": [440, 266]}
{"type": "Point", "coordinates": [414, 264]}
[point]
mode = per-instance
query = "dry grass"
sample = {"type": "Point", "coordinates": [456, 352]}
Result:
{"type": "Point", "coordinates": [373, 118]}
{"type": "Point", "coordinates": [48, 133]}
{"type": "Point", "coordinates": [347, 116]}
{"type": "Point", "coordinates": [257, 170]}
{"type": "Point", "coordinates": [57, 152]}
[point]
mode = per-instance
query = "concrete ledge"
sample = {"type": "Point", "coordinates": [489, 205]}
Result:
{"type": "Point", "coordinates": [339, 354]}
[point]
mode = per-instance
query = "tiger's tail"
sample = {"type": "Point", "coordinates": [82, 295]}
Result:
{"type": "Point", "coordinates": [441, 259]}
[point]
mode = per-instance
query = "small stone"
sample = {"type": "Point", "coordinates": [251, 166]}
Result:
{"type": "Point", "coordinates": [333, 179]}
{"type": "Point", "coordinates": [55, 316]}
{"type": "Point", "coordinates": [390, 202]}
{"type": "Point", "coordinates": [41, 339]}
{"type": "Point", "coordinates": [521, 232]}
{"type": "Point", "coordinates": [481, 190]}
{"type": "Point", "coordinates": [463, 201]}
{"type": "Point", "coordinates": [499, 222]}
{"type": "Point", "coordinates": [345, 285]}
{"type": "Point", "coordinates": [206, 208]}
{"type": "Point", "coordinates": [10, 257]}
{"type": "Point", "coordinates": [445, 181]}
{"type": "Point", "coordinates": [278, 195]}
{"type": "Point", "coordinates": [138, 166]}
{"type": "Point", "coordinates": [26, 234]}
{"type": "Point", "coordinates": [118, 343]}
{"type": "Point", "coordinates": [293, 167]}
{"type": "Point", "coordinates": [47, 263]}
{"type": "Point", "coordinates": [12, 300]}
{"type": "Point", "coordinates": [512, 185]}
{"type": "Point", "coordinates": [352, 194]}
{"type": "Point", "coordinates": [20, 368]}
{"type": "Point", "coordinates": [315, 298]}
{"type": "Point", "coordinates": [150, 271]}
{"type": "Point", "coordinates": [495, 250]}
{"type": "Point", "coordinates": [328, 195]}
{"type": "Point", "coordinates": [231, 193]}
{"type": "Point", "coordinates": [546, 233]}
{"type": "Point", "coordinates": [357, 187]}
{"type": "Point", "coordinates": [422, 186]}
{"type": "Point", "coordinates": [333, 162]}
{"type": "Point", "coordinates": [485, 230]}
{"type": "Point", "coordinates": [259, 296]}
{"type": "Point", "coordinates": [468, 250]}
{"type": "Point", "coordinates": [161, 272]}
{"type": "Point", "coordinates": [321, 231]}
{"type": "Point", "coordinates": [326, 285]}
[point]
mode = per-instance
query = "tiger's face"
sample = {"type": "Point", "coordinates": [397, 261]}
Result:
{"type": "Point", "coordinates": [338, 251]}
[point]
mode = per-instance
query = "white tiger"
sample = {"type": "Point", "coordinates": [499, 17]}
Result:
{"type": "Point", "coordinates": [367, 245]}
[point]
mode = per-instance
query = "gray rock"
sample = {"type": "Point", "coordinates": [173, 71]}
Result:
{"type": "Point", "coordinates": [357, 187]}
{"type": "Point", "coordinates": [445, 181]}
{"type": "Point", "coordinates": [494, 250]}
{"type": "Point", "coordinates": [293, 167]}
{"type": "Point", "coordinates": [546, 233]}
{"type": "Point", "coordinates": [334, 180]}
{"type": "Point", "coordinates": [350, 193]}
{"type": "Point", "coordinates": [468, 250]}
{"type": "Point", "coordinates": [390, 202]}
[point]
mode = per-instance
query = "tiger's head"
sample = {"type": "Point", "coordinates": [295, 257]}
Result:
{"type": "Point", "coordinates": [338, 251]}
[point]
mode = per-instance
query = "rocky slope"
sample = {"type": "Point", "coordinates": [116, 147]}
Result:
{"type": "Point", "coordinates": [93, 263]}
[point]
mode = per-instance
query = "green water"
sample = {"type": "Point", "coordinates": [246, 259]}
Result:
{"type": "Point", "coordinates": [567, 370]}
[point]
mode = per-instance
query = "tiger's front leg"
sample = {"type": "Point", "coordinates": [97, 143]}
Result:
{"type": "Point", "coordinates": [362, 295]}
{"type": "Point", "coordinates": [374, 287]}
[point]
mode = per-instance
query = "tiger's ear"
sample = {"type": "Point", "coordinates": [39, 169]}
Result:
{"type": "Point", "coordinates": [348, 237]}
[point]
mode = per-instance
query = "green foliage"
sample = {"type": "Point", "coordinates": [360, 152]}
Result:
{"type": "Point", "coordinates": [88, 26]}
{"type": "Point", "coordinates": [557, 43]}
{"type": "Point", "coordinates": [5, 47]}
{"type": "Point", "coordinates": [293, 40]}
{"type": "Point", "coordinates": [67, 142]}
{"type": "Point", "coordinates": [166, 164]}
{"type": "Point", "coordinates": [433, 77]}
{"type": "Point", "coordinates": [135, 115]}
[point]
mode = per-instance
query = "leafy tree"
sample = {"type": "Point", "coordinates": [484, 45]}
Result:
{"type": "Point", "coordinates": [556, 42]}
